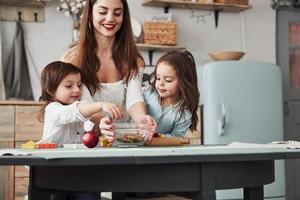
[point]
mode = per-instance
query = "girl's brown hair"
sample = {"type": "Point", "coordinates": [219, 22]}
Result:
{"type": "Point", "coordinates": [184, 65]}
{"type": "Point", "coordinates": [52, 75]}
{"type": "Point", "coordinates": [125, 53]}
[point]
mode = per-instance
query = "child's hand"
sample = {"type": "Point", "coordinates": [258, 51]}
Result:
{"type": "Point", "coordinates": [152, 123]}
{"type": "Point", "coordinates": [107, 128]}
{"type": "Point", "coordinates": [114, 110]}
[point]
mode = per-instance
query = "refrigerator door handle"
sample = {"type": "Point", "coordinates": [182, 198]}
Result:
{"type": "Point", "coordinates": [286, 108]}
{"type": "Point", "coordinates": [222, 121]}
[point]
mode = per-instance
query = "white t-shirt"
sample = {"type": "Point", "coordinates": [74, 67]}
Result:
{"type": "Point", "coordinates": [119, 93]}
{"type": "Point", "coordinates": [63, 124]}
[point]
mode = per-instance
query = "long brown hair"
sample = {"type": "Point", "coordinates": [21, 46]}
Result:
{"type": "Point", "coordinates": [184, 65]}
{"type": "Point", "coordinates": [125, 53]}
{"type": "Point", "coordinates": [52, 75]}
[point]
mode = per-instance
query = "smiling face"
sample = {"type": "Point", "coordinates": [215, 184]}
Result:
{"type": "Point", "coordinates": [166, 83]}
{"type": "Point", "coordinates": [107, 17]}
{"type": "Point", "coordinates": [69, 90]}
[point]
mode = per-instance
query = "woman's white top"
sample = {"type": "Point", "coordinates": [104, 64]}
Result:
{"type": "Point", "coordinates": [63, 124]}
{"type": "Point", "coordinates": [119, 93]}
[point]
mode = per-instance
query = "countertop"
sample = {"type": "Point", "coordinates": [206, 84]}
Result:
{"type": "Point", "coordinates": [15, 102]}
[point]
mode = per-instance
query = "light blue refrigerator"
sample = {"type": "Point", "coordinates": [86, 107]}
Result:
{"type": "Point", "coordinates": [242, 101]}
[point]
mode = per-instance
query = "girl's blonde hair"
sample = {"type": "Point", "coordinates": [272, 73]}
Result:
{"type": "Point", "coordinates": [52, 75]}
{"type": "Point", "coordinates": [184, 64]}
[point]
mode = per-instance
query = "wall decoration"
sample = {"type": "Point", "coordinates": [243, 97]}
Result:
{"type": "Point", "coordinates": [285, 3]}
{"type": "Point", "coordinates": [73, 9]}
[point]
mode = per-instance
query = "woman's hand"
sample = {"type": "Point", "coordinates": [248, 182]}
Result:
{"type": "Point", "coordinates": [115, 111]}
{"type": "Point", "coordinates": [149, 120]}
{"type": "Point", "coordinates": [107, 128]}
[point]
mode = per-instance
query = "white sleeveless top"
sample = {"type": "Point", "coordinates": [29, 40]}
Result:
{"type": "Point", "coordinates": [119, 93]}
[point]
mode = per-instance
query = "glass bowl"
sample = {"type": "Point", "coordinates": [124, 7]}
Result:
{"type": "Point", "coordinates": [131, 134]}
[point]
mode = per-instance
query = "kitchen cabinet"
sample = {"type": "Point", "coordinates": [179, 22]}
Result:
{"type": "Point", "coordinates": [288, 57]}
{"type": "Point", "coordinates": [215, 7]}
{"type": "Point", "coordinates": [18, 124]}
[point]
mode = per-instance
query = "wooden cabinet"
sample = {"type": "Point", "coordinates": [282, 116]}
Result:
{"type": "Point", "coordinates": [27, 127]}
{"type": "Point", "coordinates": [6, 141]}
{"type": "Point", "coordinates": [7, 128]}
{"type": "Point", "coordinates": [6, 175]}
{"type": "Point", "coordinates": [18, 124]}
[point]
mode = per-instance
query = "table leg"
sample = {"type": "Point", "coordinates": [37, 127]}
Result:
{"type": "Point", "coordinates": [118, 196]}
{"type": "Point", "coordinates": [35, 193]}
{"type": "Point", "coordinates": [207, 182]}
{"type": "Point", "coordinates": [254, 193]}
{"type": "Point", "coordinates": [205, 196]}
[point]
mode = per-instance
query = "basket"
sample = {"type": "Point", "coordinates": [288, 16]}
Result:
{"type": "Point", "coordinates": [160, 32]}
{"type": "Point", "coordinates": [236, 2]}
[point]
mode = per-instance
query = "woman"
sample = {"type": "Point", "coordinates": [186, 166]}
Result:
{"type": "Point", "coordinates": [111, 64]}
{"type": "Point", "coordinates": [109, 60]}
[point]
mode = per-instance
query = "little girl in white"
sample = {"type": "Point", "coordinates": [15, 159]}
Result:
{"type": "Point", "coordinates": [173, 96]}
{"type": "Point", "coordinates": [63, 115]}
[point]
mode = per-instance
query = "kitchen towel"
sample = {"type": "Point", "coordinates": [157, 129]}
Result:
{"type": "Point", "coordinates": [16, 73]}
{"type": "Point", "coordinates": [2, 90]}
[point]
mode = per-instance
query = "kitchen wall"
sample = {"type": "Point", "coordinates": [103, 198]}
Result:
{"type": "Point", "coordinates": [252, 31]}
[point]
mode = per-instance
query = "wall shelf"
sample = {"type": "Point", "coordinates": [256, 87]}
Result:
{"type": "Point", "coordinates": [22, 3]}
{"type": "Point", "coordinates": [154, 47]}
{"type": "Point", "coordinates": [216, 7]}
{"type": "Point", "coordinates": [21, 10]}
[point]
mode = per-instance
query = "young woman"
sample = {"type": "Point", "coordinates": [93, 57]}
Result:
{"type": "Point", "coordinates": [108, 57]}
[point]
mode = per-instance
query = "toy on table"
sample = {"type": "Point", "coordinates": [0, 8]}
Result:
{"type": "Point", "coordinates": [33, 145]}
{"type": "Point", "coordinates": [29, 145]}
{"type": "Point", "coordinates": [46, 146]}
{"type": "Point", "coordinates": [74, 146]}
{"type": "Point", "coordinates": [104, 142]}
{"type": "Point", "coordinates": [160, 139]}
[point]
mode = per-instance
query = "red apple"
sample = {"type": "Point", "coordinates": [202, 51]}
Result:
{"type": "Point", "coordinates": [90, 139]}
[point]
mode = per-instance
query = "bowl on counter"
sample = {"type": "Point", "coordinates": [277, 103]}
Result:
{"type": "Point", "coordinates": [226, 55]}
{"type": "Point", "coordinates": [131, 134]}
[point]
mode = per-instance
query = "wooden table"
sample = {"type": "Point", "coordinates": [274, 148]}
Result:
{"type": "Point", "coordinates": [197, 170]}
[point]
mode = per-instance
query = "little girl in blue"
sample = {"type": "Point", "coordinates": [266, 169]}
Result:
{"type": "Point", "coordinates": [173, 96]}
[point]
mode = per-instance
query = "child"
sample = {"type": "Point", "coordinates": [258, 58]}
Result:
{"type": "Point", "coordinates": [173, 96]}
{"type": "Point", "coordinates": [64, 115]}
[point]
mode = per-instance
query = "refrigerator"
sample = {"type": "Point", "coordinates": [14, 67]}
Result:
{"type": "Point", "coordinates": [242, 101]}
